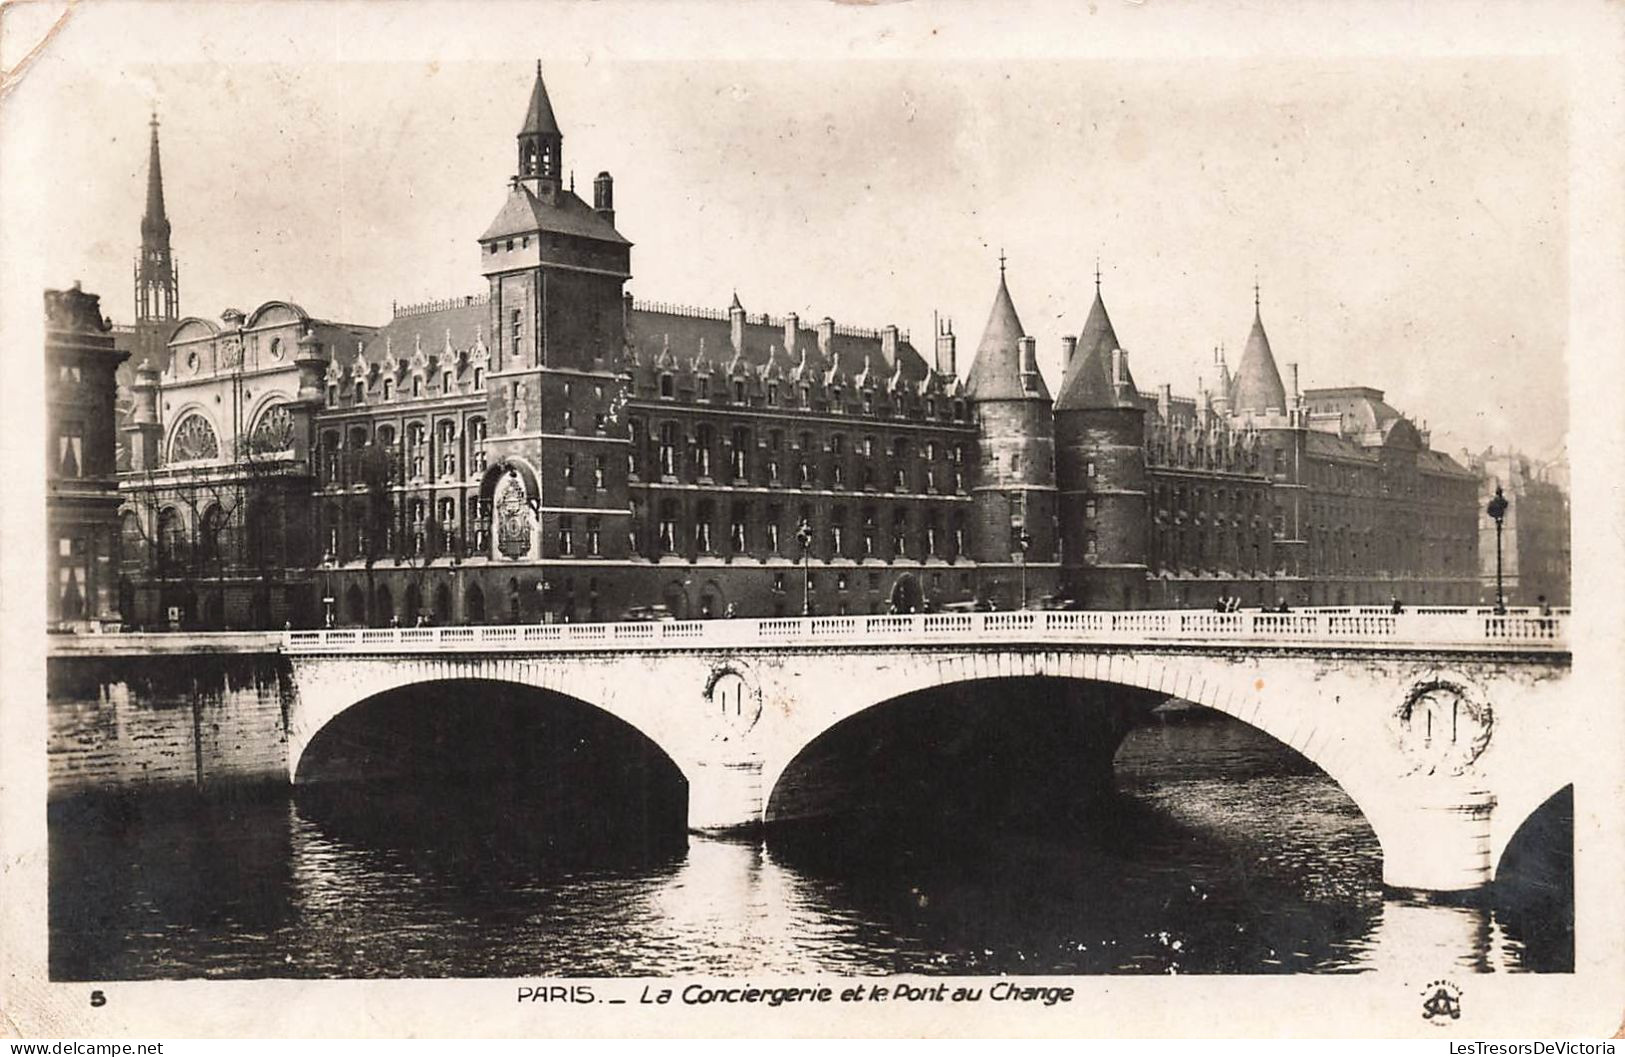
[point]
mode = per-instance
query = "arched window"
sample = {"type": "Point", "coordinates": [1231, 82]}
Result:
{"type": "Point", "coordinates": [273, 432]}
{"type": "Point", "coordinates": [705, 440]}
{"type": "Point", "coordinates": [446, 438]}
{"type": "Point", "coordinates": [668, 449]}
{"type": "Point", "coordinates": [213, 546]}
{"type": "Point", "coordinates": [132, 543]}
{"type": "Point", "coordinates": [476, 445]}
{"type": "Point", "coordinates": [194, 439]}
{"type": "Point", "coordinates": [416, 453]}
{"type": "Point", "coordinates": [171, 539]}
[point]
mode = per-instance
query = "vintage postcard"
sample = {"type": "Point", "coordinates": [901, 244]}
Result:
{"type": "Point", "coordinates": [812, 519]}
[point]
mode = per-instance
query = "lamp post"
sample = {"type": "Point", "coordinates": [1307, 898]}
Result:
{"type": "Point", "coordinates": [804, 537]}
{"type": "Point", "coordinates": [1024, 540]}
{"type": "Point", "coordinates": [1497, 511]}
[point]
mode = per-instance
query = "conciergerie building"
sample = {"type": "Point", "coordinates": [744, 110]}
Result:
{"type": "Point", "coordinates": [555, 449]}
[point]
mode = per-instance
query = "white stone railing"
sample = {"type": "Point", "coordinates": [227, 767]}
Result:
{"type": "Point", "coordinates": [1372, 628]}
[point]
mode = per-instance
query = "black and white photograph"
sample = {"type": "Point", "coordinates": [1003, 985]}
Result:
{"type": "Point", "coordinates": [856, 519]}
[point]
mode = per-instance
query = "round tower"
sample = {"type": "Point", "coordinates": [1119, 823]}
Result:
{"type": "Point", "coordinates": [1013, 497]}
{"type": "Point", "coordinates": [1100, 473]}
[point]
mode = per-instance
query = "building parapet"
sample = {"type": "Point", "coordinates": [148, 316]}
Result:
{"type": "Point", "coordinates": [669, 308]}
{"type": "Point", "coordinates": [1341, 628]}
{"type": "Point", "coordinates": [424, 308]}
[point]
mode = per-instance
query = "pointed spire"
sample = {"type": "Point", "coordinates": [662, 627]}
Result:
{"type": "Point", "coordinates": [539, 119]}
{"type": "Point", "coordinates": [1257, 386]}
{"type": "Point", "coordinates": [995, 374]}
{"type": "Point", "coordinates": [155, 224]}
{"type": "Point", "coordinates": [1087, 382]}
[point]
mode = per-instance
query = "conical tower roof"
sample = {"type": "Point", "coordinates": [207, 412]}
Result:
{"type": "Point", "coordinates": [1087, 384]}
{"type": "Point", "coordinates": [996, 372]}
{"type": "Point", "coordinates": [539, 119]}
{"type": "Point", "coordinates": [1257, 386]}
{"type": "Point", "coordinates": [155, 224]}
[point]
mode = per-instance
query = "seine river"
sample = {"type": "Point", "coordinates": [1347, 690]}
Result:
{"type": "Point", "coordinates": [1220, 853]}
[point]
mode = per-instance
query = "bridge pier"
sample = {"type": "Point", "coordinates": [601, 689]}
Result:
{"type": "Point", "coordinates": [1435, 836]}
{"type": "Point", "coordinates": [725, 796]}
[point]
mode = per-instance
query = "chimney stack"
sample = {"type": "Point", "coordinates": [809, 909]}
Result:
{"type": "Point", "coordinates": [603, 197]}
{"type": "Point", "coordinates": [792, 325]}
{"type": "Point", "coordinates": [1069, 348]}
{"type": "Point", "coordinates": [888, 343]}
{"type": "Point", "coordinates": [826, 339]}
{"type": "Point", "coordinates": [736, 325]}
{"type": "Point", "coordinates": [947, 360]}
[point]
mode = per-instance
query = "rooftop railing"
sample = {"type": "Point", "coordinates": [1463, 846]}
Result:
{"type": "Point", "coordinates": [1360, 628]}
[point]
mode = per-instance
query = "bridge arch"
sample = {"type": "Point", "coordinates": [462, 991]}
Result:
{"type": "Point", "coordinates": [328, 691]}
{"type": "Point", "coordinates": [1327, 737]}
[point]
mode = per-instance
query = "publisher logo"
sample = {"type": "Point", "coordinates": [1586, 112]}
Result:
{"type": "Point", "coordinates": [1441, 1002]}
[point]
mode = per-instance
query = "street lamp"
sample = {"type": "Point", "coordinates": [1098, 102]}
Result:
{"type": "Point", "coordinates": [1497, 511]}
{"type": "Point", "coordinates": [804, 537]}
{"type": "Point", "coordinates": [1024, 540]}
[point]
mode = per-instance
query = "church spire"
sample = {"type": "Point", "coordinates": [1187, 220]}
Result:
{"type": "Point", "coordinates": [157, 284]}
{"type": "Point", "coordinates": [541, 144]}
{"type": "Point", "coordinates": [155, 224]}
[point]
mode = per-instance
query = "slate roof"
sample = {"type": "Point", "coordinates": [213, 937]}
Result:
{"type": "Point", "coordinates": [1257, 386]}
{"type": "Point", "coordinates": [995, 374]}
{"type": "Point", "coordinates": [539, 117]}
{"type": "Point", "coordinates": [525, 214]}
{"type": "Point", "coordinates": [652, 331]}
{"type": "Point", "coordinates": [1086, 384]}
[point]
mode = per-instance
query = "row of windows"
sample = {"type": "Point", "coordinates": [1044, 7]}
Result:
{"type": "Point", "coordinates": [806, 397]}
{"type": "Point", "coordinates": [820, 535]}
{"type": "Point", "coordinates": [345, 456]}
{"type": "Point", "coordinates": [675, 455]}
{"type": "Point", "coordinates": [360, 391]}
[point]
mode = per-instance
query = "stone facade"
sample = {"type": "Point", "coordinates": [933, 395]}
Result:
{"type": "Point", "coordinates": [1534, 532]}
{"type": "Point", "coordinates": [80, 463]}
{"type": "Point", "coordinates": [553, 450]}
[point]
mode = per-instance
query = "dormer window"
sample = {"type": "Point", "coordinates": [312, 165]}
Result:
{"type": "Point", "coordinates": [389, 388]}
{"type": "Point", "coordinates": [772, 392]}
{"type": "Point", "coordinates": [739, 392]}
{"type": "Point", "coordinates": [668, 386]}
{"type": "Point", "coordinates": [868, 402]}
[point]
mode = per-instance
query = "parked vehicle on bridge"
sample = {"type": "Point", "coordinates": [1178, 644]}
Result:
{"type": "Point", "coordinates": [648, 614]}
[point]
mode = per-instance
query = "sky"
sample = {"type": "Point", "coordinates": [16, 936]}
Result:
{"type": "Point", "coordinates": [1405, 217]}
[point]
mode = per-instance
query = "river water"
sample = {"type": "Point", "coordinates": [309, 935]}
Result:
{"type": "Point", "coordinates": [1221, 852]}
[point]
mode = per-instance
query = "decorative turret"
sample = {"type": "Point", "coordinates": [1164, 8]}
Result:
{"type": "Point", "coordinates": [541, 144]}
{"type": "Point", "coordinates": [1100, 471]}
{"type": "Point", "coordinates": [1014, 497]}
{"type": "Point", "coordinates": [1222, 382]}
{"type": "Point", "coordinates": [1257, 388]}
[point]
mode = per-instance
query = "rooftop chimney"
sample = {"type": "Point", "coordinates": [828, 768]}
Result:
{"type": "Point", "coordinates": [1069, 348]}
{"type": "Point", "coordinates": [603, 197]}
{"type": "Point", "coordinates": [947, 364]}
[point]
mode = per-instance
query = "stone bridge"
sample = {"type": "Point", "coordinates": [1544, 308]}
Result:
{"type": "Point", "coordinates": [1446, 727]}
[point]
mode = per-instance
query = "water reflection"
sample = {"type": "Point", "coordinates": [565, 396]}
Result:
{"type": "Point", "coordinates": [1221, 854]}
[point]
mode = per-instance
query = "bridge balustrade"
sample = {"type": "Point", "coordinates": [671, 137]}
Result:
{"type": "Point", "coordinates": [1342, 627]}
